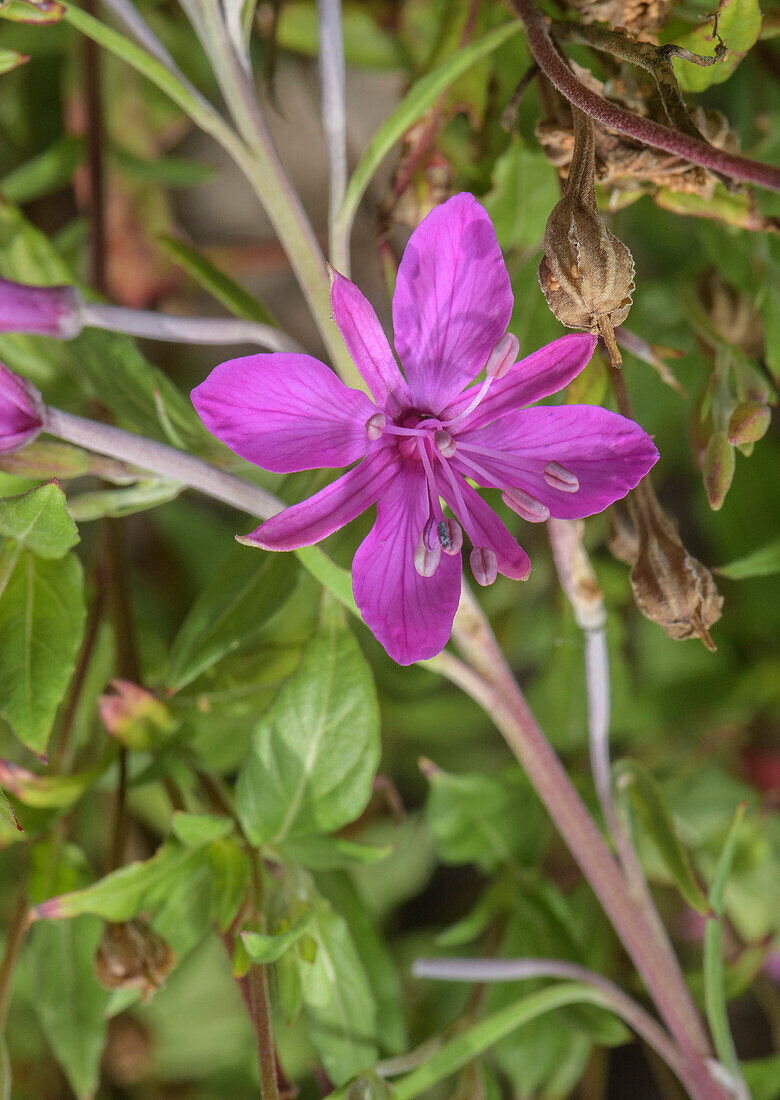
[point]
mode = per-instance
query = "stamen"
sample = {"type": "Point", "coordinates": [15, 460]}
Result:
{"type": "Point", "coordinates": [484, 565]}
{"type": "Point", "coordinates": [450, 535]}
{"type": "Point", "coordinates": [470, 407]}
{"type": "Point", "coordinates": [462, 510]}
{"type": "Point", "coordinates": [445, 444]}
{"type": "Point", "coordinates": [558, 477]}
{"type": "Point", "coordinates": [426, 561]}
{"type": "Point", "coordinates": [526, 506]}
{"type": "Point", "coordinates": [375, 425]}
{"type": "Point", "coordinates": [480, 470]}
{"type": "Point", "coordinates": [503, 356]}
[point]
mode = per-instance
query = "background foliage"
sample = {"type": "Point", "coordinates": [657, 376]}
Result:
{"type": "Point", "coordinates": [345, 861]}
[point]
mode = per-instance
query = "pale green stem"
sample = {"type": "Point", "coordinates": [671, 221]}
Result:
{"type": "Point", "coordinates": [258, 161]}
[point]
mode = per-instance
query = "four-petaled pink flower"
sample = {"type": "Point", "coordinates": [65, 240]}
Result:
{"type": "Point", "coordinates": [427, 436]}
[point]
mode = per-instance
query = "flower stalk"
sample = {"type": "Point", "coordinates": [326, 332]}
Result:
{"type": "Point", "coordinates": [645, 130]}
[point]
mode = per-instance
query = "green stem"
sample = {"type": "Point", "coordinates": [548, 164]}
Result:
{"type": "Point", "coordinates": [257, 159]}
{"type": "Point", "coordinates": [13, 946]}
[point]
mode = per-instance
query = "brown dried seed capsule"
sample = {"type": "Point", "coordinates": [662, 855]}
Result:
{"type": "Point", "coordinates": [670, 587]}
{"type": "Point", "coordinates": [586, 273]}
{"type": "Point", "coordinates": [131, 955]}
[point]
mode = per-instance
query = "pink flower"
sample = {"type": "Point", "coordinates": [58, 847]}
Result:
{"type": "Point", "coordinates": [45, 310]}
{"type": "Point", "coordinates": [424, 435]}
{"type": "Point", "coordinates": [21, 412]}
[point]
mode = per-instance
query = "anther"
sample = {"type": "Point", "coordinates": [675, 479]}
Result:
{"type": "Point", "coordinates": [526, 506]}
{"type": "Point", "coordinates": [375, 425]}
{"type": "Point", "coordinates": [426, 561]}
{"type": "Point", "coordinates": [484, 565]}
{"type": "Point", "coordinates": [503, 356]}
{"type": "Point", "coordinates": [445, 444]}
{"type": "Point", "coordinates": [450, 536]}
{"type": "Point", "coordinates": [558, 477]}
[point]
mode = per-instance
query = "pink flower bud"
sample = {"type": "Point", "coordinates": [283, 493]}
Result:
{"type": "Point", "coordinates": [748, 423]}
{"type": "Point", "coordinates": [21, 411]}
{"type": "Point", "coordinates": [134, 716]}
{"type": "Point", "coordinates": [44, 310]}
{"type": "Point", "coordinates": [718, 469]}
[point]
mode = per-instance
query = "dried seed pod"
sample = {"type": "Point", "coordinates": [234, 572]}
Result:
{"type": "Point", "coordinates": [131, 955]}
{"type": "Point", "coordinates": [586, 273]}
{"type": "Point", "coordinates": [670, 587]}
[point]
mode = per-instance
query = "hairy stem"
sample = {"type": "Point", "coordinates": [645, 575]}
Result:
{"type": "Point", "coordinates": [150, 325]}
{"type": "Point", "coordinates": [166, 461]}
{"type": "Point", "coordinates": [625, 122]}
{"type": "Point", "coordinates": [496, 689]}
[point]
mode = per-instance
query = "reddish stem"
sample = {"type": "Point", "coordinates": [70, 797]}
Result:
{"type": "Point", "coordinates": [625, 122]}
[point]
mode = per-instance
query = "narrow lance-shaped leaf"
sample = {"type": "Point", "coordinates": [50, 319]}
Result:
{"type": "Point", "coordinates": [267, 949]}
{"type": "Point", "coordinates": [230, 612]}
{"type": "Point", "coordinates": [49, 791]}
{"type": "Point", "coordinates": [631, 779]}
{"type": "Point", "coordinates": [763, 562]}
{"type": "Point", "coordinates": [207, 275]}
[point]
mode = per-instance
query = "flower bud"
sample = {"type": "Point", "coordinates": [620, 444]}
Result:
{"type": "Point", "coordinates": [748, 423]}
{"type": "Point", "coordinates": [21, 411]}
{"type": "Point", "coordinates": [131, 955]}
{"type": "Point", "coordinates": [44, 310]}
{"type": "Point", "coordinates": [670, 587]}
{"type": "Point", "coordinates": [134, 716]}
{"type": "Point", "coordinates": [586, 273]}
{"type": "Point", "coordinates": [718, 469]}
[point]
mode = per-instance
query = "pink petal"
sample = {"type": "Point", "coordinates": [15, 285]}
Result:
{"type": "Point", "coordinates": [331, 508]}
{"type": "Point", "coordinates": [607, 453]}
{"type": "Point", "coordinates": [284, 412]}
{"type": "Point", "coordinates": [410, 615]}
{"type": "Point", "coordinates": [452, 302]}
{"type": "Point", "coordinates": [485, 529]}
{"type": "Point", "coordinates": [367, 344]}
{"type": "Point", "coordinates": [538, 375]}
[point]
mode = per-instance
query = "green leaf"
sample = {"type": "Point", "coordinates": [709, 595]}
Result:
{"type": "Point", "coordinates": [315, 753]}
{"type": "Point", "coordinates": [763, 1077]}
{"type": "Point", "coordinates": [195, 830]}
{"type": "Point", "coordinates": [422, 95]}
{"type": "Point", "coordinates": [739, 25]}
{"type": "Point", "coordinates": [230, 612]}
{"type": "Point", "coordinates": [267, 949]}
{"type": "Point", "coordinates": [50, 791]}
{"type": "Point", "coordinates": [525, 189]}
{"type": "Point", "coordinates": [7, 813]}
{"type": "Point", "coordinates": [233, 297]}
{"type": "Point", "coordinates": [124, 893]}
{"type": "Point", "coordinates": [329, 853]}
{"type": "Point", "coordinates": [475, 1040]}
{"type": "Point", "coordinates": [11, 59]}
{"type": "Point", "coordinates": [366, 44]}
{"type": "Point", "coordinates": [20, 11]}
{"type": "Point", "coordinates": [41, 622]}
{"type": "Point", "coordinates": [69, 1001]}
{"type": "Point", "coordinates": [163, 171]}
{"type": "Point", "coordinates": [648, 802]}
{"type": "Point", "coordinates": [123, 502]}
{"type": "Point", "coordinates": [714, 981]}
{"type": "Point", "coordinates": [39, 520]}
{"type": "Point", "coordinates": [484, 820]}
{"type": "Point", "coordinates": [230, 868]}
{"type": "Point", "coordinates": [337, 999]}
{"type": "Point", "coordinates": [49, 171]}
{"type": "Point", "coordinates": [763, 562]}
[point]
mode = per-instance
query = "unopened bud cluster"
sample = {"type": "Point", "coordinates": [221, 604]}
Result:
{"type": "Point", "coordinates": [734, 411]}
{"type": "Point", "coordinates": [586, 273]}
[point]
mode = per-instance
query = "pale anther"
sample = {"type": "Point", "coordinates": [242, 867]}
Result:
{"type": "Point", "coordinates": [503, 356]}
{"type": "Point", "coordinates": [558, 477]}
{"type": "Point", "coordinates": [445, 444]}
{"type": "Point", "coordinates": [426, 561]}
{"type": "Point", "coordinates": [450, 536]}
{"type": "Point", "coordinates": [375, 425]}
{"type": "Point", "coordinates": [526, 506]}
{"type": "Point", "coordinates": [484, 565]}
